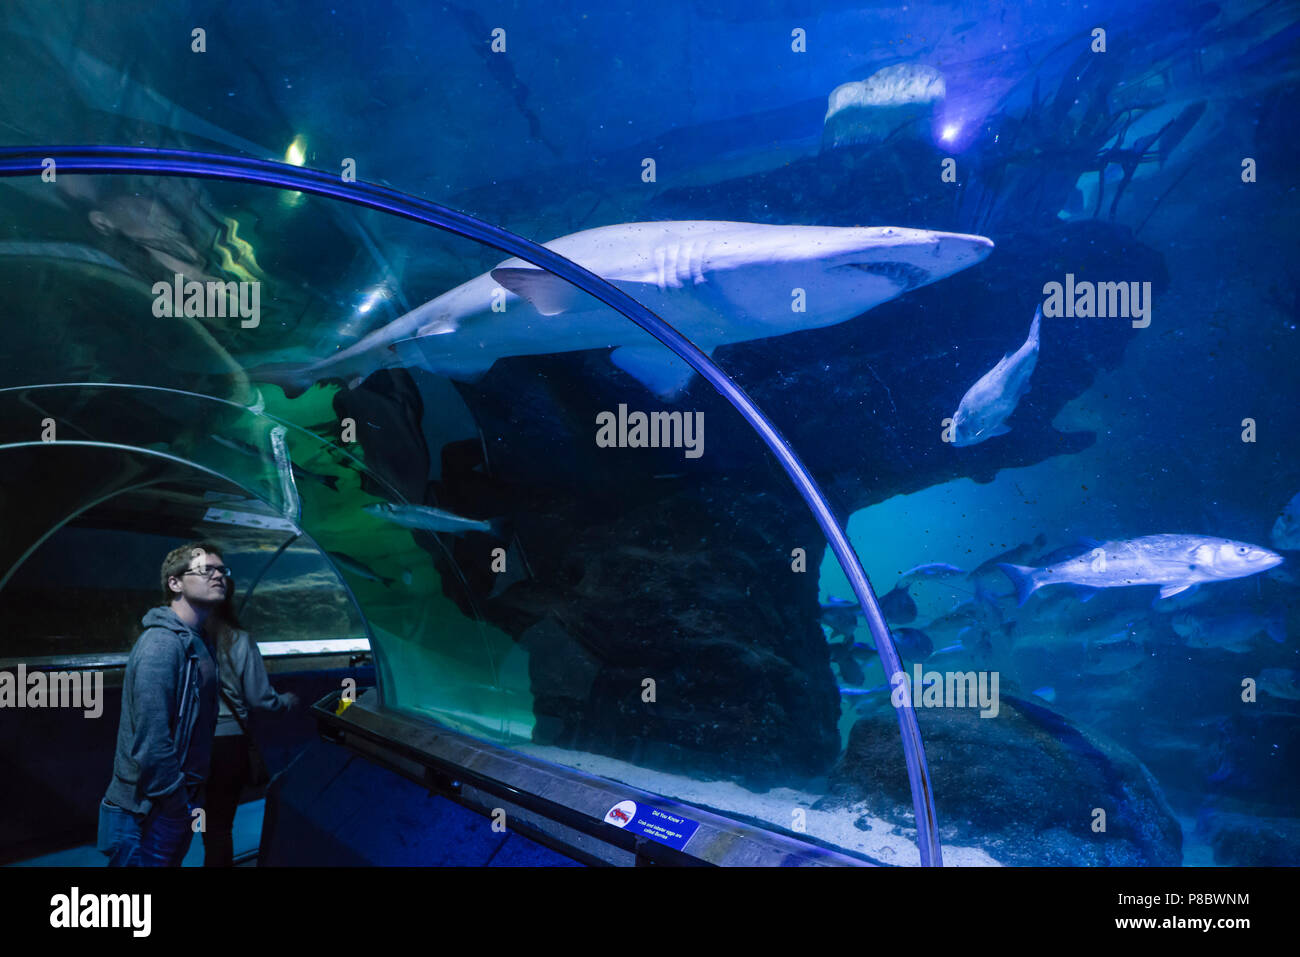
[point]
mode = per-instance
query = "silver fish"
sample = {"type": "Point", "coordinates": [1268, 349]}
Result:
{"type": "Point", "coordinates": [1175, 562]}
{"type": "Point", "coordinates": [431, 519]}
{"type": "Point", "coordinates": [987, 404]}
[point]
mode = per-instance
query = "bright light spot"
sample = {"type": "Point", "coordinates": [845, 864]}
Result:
{"type": "Point", "coordinates": [379, 292]}
{"type": "Point", "coordinates": [949, 133]}
{"type": "Point", "coordinates": [296, 154]}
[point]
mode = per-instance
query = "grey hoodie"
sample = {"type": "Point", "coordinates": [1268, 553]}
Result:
{"type": "Point", "coordinates": [243, 677]}
{"type": "Point", "coordinates": [169, 713]}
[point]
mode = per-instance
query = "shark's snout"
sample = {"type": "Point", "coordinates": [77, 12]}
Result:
{"type": "Point", "coordinates": [953, 252]}
{"type": "Point", "coordinates": [960, 246]}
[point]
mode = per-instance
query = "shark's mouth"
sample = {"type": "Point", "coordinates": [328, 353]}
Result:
{"type": "Point", "coordinates": [904, 274]}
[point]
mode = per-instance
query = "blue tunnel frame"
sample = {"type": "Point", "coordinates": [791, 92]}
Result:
{"type": "Point", "coordinates": [115, 160]}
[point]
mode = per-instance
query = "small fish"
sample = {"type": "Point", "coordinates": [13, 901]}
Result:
{"type": "Point", "coordinates": [432, 519]}
{"type": "Point", "coordinates": [984, 409]}
{"type": "Point", "coordinates": [1114, 654]}
{"type": "Point", "coordinates": [973, 618]}
{"type": "Point", "coordinates": [842, 655]}
{"type": "Point", "coordinates": [1232, 631]}
{"type": "Point", "coordinates": [1018, 554]}
{"type": "Point", "coordinates": [840, 616]}
{"type": "Point", "coordinates": [898, 606]}
{"type": "Point", "coordinates": [331, 482]}
{"type": "Point", "coordinates": [932, 570]}
{"type": "Point", "coordinates": [1047, 693]}
{"type": "Point", "coordinates": [1175, 562]}
{"type": "Point", "coordinates": [1286, 530]}
{"type": "Point", "coordinates": [1280, 683]}
{"type": "Point", "coordinates": [360, 570]}
{"type": "Point", "coordinates": [911, 643]}
{"type": "Point", "coordinates": [926, 682]}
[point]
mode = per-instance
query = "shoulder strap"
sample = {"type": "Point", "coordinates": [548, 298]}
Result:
{"type": "Point", "coordinates": [185, 685]}
{"type": "Point", "coordinates": [231, 705]}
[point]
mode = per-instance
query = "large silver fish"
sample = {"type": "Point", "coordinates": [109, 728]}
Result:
{"type": "Point", "coordinates": [984, 409]}
{"type": "Point", "coordinates": [1175, 562]}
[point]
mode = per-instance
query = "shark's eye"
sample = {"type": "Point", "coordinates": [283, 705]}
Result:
{"type": "Point", "coordinates": [1242, 550]}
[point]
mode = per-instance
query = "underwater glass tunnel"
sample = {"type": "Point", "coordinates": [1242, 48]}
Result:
{"type": "Point", "coordinates": [997, 313]}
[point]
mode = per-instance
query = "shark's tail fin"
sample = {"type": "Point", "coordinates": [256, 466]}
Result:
{"type": "Point", "coordinates": [1022, 577]}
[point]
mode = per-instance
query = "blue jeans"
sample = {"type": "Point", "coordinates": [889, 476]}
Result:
{"type": "Point", "coordinates": [143, 840]}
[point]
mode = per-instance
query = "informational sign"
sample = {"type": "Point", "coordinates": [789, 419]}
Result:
{"type": "Point", "coordinates": [662, 826]}
{"type": "Point", "coordinates": [248, 519]}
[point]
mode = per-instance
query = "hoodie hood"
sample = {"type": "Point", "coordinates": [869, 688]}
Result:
{"type": "Point", "coordinates": [163, 617]}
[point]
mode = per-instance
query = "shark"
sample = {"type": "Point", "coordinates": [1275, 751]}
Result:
{"type": "Point", "coordinates": [716, 282]}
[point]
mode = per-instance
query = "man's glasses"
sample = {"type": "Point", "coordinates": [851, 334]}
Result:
{"type": "Point", "coordinates": [211, 571]}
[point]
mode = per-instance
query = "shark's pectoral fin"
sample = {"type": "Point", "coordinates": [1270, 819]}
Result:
{"type": "Point", "coordinates": [656, 367]}
{"type": "Point", "coordinates": [1169, 591]}
{"type": "Point", "coordinates": [550, 295]}
{"type": "Point", "coordinates": [547, 293]}
{"type": "Point", "coordinates": [995, 431]}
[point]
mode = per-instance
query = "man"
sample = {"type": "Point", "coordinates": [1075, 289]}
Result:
{"type": "Point", "coordinates": [169, 713]}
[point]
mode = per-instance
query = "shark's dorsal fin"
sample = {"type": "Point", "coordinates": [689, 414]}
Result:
{"type": "Point", "coordinates": [656, 367]}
